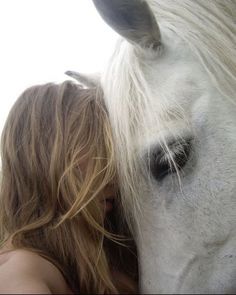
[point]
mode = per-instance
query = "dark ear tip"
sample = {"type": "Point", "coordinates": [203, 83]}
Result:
{"type": "Point", "coordinates": [132, 19]}
{"type": "Point", "coordinates": [69, 73]}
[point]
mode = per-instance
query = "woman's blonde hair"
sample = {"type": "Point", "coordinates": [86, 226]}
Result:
{"type": "Point", "coordinates": [57, 160]}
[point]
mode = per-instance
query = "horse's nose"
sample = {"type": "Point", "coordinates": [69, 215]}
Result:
{"type": "Point", "coordinates": [169, 157]}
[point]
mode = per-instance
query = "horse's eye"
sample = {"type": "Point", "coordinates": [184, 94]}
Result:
{"type": "Point", "coordinates": [170, 158]}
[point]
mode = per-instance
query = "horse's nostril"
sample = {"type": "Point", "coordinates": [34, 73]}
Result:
{"type": "Point", "coordinates": [169, 158]}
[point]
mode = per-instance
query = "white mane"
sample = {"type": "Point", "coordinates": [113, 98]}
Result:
{"type": "Point", "coordinates": [209, 28]}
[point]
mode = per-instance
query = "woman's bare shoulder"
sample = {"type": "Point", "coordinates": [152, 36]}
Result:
{"type": "Point", "coordinates": [23, 271]}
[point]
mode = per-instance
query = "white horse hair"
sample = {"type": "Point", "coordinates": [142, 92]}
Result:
{"type": "Point", "coordinates": [168, 102]}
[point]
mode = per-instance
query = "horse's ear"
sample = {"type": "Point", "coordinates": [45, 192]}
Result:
{"type": "Point", "coordinates": [132, 19]}
{"type": "Point", "coordinates": [88, 80]}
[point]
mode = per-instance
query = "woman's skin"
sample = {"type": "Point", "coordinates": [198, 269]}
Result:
{"type": "Point", "coordinates": [25, 272]}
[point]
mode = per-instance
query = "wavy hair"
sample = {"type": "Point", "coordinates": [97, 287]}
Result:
{"type": "Point", "coordinates": [57, 160]}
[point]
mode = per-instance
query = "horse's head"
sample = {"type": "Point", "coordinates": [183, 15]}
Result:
{"type": "Point", "coordinates": [170, 91]}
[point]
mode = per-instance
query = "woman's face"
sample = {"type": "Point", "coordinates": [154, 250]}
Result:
{"type": "Point", "coordinates": [108, 197]}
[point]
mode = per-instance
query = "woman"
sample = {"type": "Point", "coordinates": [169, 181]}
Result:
{"type": "Point", "coordinates": [60, 223]}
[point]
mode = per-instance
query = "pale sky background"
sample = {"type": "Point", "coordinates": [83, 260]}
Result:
{"type": "Point", "coordinates": [41, 39]}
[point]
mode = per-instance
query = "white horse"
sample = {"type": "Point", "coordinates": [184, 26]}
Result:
{"type": "Point", "coordinates": [170, 90]}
